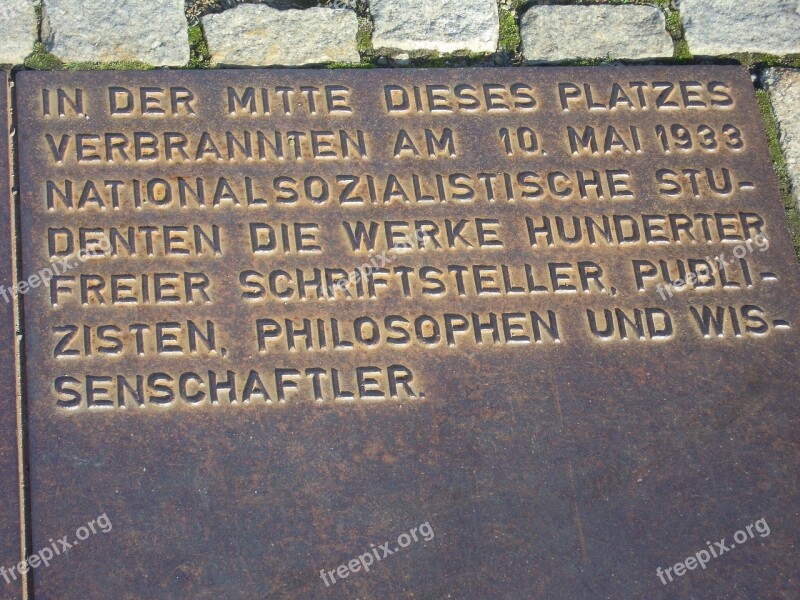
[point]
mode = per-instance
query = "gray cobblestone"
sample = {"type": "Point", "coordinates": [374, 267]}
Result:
{"type": "Point", "coordinates": [436, 25]}
{"type": "Point", "coordinates": [20, 30]}
{"type": "Point", "coordinates": [715, 27]}
{"type": "Point", "coordinates": [560, 33]}
{"type": "Point", "coordinates": [149, 31]}
{"type": "Point", "coordinates": [257, 35]}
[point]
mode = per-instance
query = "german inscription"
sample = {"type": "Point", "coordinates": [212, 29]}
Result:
{"type": "Point", "coordinates": [255, 246]}
{"type": "Point", "coordinates": [314, 242]}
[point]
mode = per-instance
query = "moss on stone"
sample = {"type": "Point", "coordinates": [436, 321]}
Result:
{"type": "Point", "coordinates": [200, 55]}
{"type": "Point", "coordinates": [756, 60]}
{"type": "Point", "coordinates": [510, 37]}
{"type": "Point", "coordinates": [117, 65]}
{"type": "Point", "coordinates": [585, 62]}
{"type": "Point", "coordinates": [364, 35]}
{"type": "Point", "coordinates": [366, 63]}
{"type": "Point", "coordinates": [682, 53]}
{"type": "Point", "coordinates": [674, 24]}
{"type": "Point", "coordinates": [41, 60]}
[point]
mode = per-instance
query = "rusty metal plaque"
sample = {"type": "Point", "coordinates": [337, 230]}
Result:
{"type": "Point", "coordinates": [11, 580]}
{"type": "Point", "coordinates": [487, 333]}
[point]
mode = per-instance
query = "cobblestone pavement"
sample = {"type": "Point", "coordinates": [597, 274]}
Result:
{"type": "Point", "coordinates": [491, 31]}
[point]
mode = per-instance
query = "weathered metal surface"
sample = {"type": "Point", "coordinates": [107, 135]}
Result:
{"type": "Point", "coordinates": [560, 457]}
{"type": "Point", "coordinates": [10, 517]}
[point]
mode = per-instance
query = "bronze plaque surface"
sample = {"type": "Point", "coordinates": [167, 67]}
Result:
{"type": "Point", "coordinates": [10, 537]}
{"type": "Point", "coordinates": [489, 333]}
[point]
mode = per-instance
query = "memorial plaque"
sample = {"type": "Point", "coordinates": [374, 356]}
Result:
{"type": "Point", "coordinates": [10, 516]}
{"type": "Point", "coordinates": [486, 333]}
